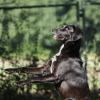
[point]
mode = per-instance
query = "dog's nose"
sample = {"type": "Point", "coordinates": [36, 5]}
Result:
{"type": "Point", "coordinates": [53, 33]}
{"type": "Point", "coordinates": [54, 30]}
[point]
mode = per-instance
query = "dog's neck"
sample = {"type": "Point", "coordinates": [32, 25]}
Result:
{"type": "Point", "coordinates": [71, 49]}
{"type": "Point", "coordinates": [68, 49]}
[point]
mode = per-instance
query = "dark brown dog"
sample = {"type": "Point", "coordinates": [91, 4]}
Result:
{"type": "Point", "coordinates": [64, 70]}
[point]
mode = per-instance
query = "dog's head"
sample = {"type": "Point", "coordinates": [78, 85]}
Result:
{"type": "Point", "coordinates": [67, 33]}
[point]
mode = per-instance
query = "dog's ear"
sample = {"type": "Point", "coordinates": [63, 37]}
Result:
{"type": "Point", "coordinates": [77, 33]}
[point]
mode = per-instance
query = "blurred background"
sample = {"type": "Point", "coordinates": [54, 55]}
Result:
{"type": "Point", "coordinates": [26, 40]}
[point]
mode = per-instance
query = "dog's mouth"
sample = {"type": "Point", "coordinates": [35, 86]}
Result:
{"type": "Point", "coordinates": [58, 37]}
{"type": "Point", "coordinates": [61, 35]}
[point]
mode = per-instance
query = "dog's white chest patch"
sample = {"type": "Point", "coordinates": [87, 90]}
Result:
{"type": "Point", "coordinates": [54, 58]}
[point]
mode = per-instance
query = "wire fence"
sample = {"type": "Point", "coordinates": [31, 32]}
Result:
{"type": "Point", "coordinates": [80, 10]}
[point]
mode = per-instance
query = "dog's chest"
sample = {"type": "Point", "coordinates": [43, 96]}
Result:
{"type": "Point", "coordinates": [55, 59]}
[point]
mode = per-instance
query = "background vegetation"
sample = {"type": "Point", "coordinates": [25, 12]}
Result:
{"type": "Point", "coordinates": [26, 39]}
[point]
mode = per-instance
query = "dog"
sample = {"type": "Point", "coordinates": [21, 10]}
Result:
{"type": "Point", "coordinates": [64, 70]}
